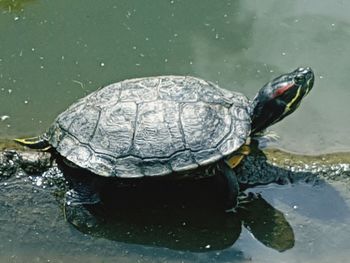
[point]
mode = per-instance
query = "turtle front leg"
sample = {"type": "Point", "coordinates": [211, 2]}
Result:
{"type": "Point", "coordinates": [232, 186]}
{"type": "Point", "coordinates": [74, 197]}
{"type": "Point", "coordinates": [83, 192]}
{"type": "Point", "coordinates": [78, 209]}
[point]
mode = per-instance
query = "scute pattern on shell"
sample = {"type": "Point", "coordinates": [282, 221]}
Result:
{"type": "Point", "coordinates": [152, 126]}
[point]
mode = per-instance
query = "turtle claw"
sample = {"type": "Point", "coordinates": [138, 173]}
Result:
{"type": "Point", "coordinates": [264, 139]}
{"type": "Point", "coordinates": [244, 199]}
{"type": "Point", "coordinates": [231, 210]}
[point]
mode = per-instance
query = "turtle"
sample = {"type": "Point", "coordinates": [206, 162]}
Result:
{"type": "Point", "coordinates": [167, 126]}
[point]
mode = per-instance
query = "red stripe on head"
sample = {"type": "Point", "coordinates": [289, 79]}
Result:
{"type": "Point", "coordinates": [282, 90]}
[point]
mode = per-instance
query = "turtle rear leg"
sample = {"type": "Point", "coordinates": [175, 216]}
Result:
{"type": "Point", "coordinates": [34, 142]}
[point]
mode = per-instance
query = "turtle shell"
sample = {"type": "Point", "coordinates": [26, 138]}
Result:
{"type": "Point", "coordinates": [152, 127]}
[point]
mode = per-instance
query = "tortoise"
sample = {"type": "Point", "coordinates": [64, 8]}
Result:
{"type": "Point", "coordinates": [167, 126]}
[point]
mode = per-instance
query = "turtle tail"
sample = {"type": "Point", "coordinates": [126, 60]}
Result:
{"type": "Point", "coordinates": [34, 142]}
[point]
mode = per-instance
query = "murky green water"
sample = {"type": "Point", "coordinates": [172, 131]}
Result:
{"type": "Point", "coordinates": [54, 52]}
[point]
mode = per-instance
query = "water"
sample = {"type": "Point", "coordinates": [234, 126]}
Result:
{"type": "Point", "coordinates": [54, 52]}
{"type": "Point", "coordinates": [169, 223]}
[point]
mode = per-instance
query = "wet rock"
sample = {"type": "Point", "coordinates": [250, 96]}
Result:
{"type": "Point", "coordinates": [9, 163]}
{"type": "Point", "coordinates": [13, 162]}
{"type": "Point", "coordinates": [275, 166]}
{"type": "Point", "coordinates": [35, 162]}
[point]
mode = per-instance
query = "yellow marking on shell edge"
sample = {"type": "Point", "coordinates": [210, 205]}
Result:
{"type": "Point", "coordinates": [238, 157]}
{"type": "Point", "coordinates": [292, 101]}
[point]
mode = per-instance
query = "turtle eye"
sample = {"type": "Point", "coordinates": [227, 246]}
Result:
{"type": "Point", "coordinates": [299, 79]}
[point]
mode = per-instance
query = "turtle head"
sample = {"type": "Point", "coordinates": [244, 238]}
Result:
{"type": "Point", "coordinates": [280, 97]}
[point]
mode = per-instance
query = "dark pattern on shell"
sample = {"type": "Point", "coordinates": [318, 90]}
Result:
{"type": "Point", "coordinates": [152, 126]}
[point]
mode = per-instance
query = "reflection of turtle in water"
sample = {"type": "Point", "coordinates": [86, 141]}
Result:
{"type": "Point", "coordinates": [167, 126]}
{"type": "Point", "coordinates": [184, 225]}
